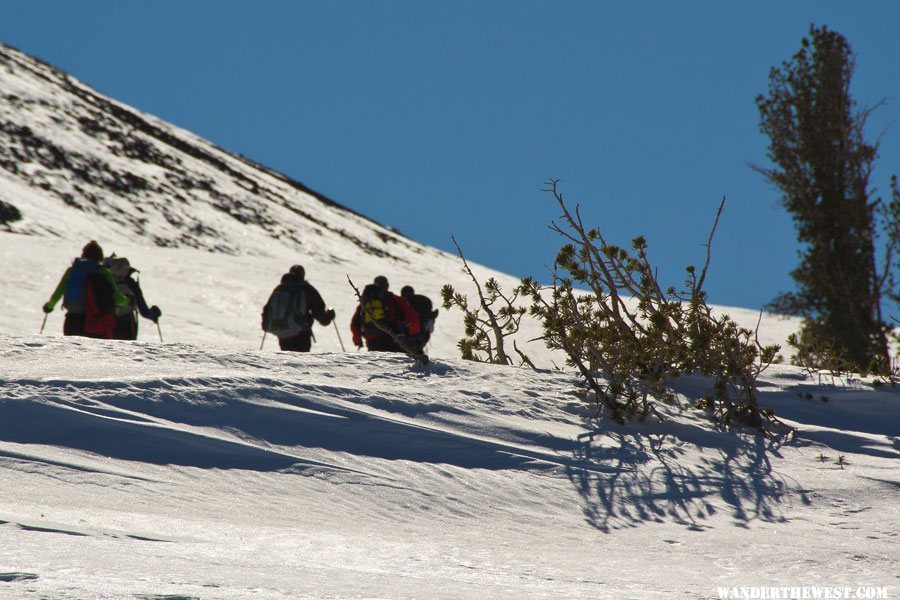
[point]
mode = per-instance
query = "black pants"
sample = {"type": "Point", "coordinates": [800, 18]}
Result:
{"type": "Point", "coordinates": [302, 342]}
{"type": "Point", "coordinates": [419, 341]}
{"type": "Point", "coordinates": [383, 343]}
{"type": "Point", "coordinates": [74, 325]}
{"type": "Point", "coordinates": [126, 328]}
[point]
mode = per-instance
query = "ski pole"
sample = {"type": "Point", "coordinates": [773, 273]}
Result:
{"type": "Point", "coordinates": [337, 331]}
{"type": "Point", "coordinates": [44, 323]}
{"type": "Point", "coordinates": [159, 331]}
{"type": "Point", "coordinates": [263, 340]}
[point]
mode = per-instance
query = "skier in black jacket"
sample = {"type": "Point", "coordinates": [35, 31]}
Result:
{"type": "Point", "coordinates": [126, 316]}
{"type": "Point", "coordinates": [423, 307]}
{"type": "Point", "coordinates": [300, 340]}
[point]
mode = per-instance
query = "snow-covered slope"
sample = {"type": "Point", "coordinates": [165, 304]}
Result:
{"type": "Point", "coordinates": [81, 166]}
{"type": "Point", "coordinates": [198, 466]}
{"type": "Point", "coordinates": [146, 470]}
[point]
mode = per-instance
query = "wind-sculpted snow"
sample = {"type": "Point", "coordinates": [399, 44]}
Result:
{"type": "Point", "coordinates": [254, 421]}
{"type": "Point", "coordinates": [228, 423]}
{"type": "Point", "coordinates": [363, 475]}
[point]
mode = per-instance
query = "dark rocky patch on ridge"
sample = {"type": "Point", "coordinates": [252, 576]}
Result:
{"type": "Point", "coordinates": [181, 171]}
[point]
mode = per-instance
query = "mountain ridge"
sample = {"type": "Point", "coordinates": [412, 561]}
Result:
{"type": "Point", "coordinates": [84, 148]}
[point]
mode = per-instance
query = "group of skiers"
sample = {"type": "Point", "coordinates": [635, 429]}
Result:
{"type": "Point", "coordinates": [100, 296]}
{"type": "Point", "coordinates": [102, 300]}
{"type": "Point", "coordinates": [385, 321]}
{"type": "Point", "coordinates": [388, 322]}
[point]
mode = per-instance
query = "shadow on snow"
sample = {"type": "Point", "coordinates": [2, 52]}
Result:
{"type": "Point", "coordinates": [250, 424]}
{"type": "Point", "coordinates": [655, 480]}
{"type": "Point", "coordinates": [685, 472]}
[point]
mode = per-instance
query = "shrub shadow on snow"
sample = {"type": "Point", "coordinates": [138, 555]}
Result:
{"type": "Point", "coordinates": [684, 470]}
{"type": "Point", "coordinates": [676, 472]}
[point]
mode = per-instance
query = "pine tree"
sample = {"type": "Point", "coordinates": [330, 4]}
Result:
{"type": "Point", "coordinates": [822, 166]}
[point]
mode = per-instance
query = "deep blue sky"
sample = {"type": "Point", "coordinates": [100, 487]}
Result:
{"type": "Point", "coordinates": [442, 118]}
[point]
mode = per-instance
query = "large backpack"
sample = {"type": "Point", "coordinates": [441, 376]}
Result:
{"type": "Point", "coordinates": [286, 311]}
{"type": "Point", "coordinates": [99, 314]}
{"type": "Point", "coordinates": [121, 270]}
{"type": "Point", "coordinates": [74, 299]}
{"type": "Point", "coordinates": [423, 307]}
{"type": "Point", "coordinates": [374, 310]}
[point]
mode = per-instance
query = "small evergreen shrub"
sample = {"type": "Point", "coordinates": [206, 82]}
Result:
{"type": "Point", "coordinates": [629, 338]}
{"type": "Point", "coordinates": [488, 322]}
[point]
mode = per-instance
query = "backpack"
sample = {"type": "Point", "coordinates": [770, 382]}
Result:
{"type": "Point", "coordinates": [121, 270]}
{"type": "Point", "coordinates": [74, 299]}
{"type": "Point", "coordinates": [286, 311]}
{"type": "Point", "coordinates": [99, 314]}
{"type": "Point", "coordinates": [373, 310]}
{"type": "Point", "coordinates": [427, 323]}
{"type": "Point", "coordinates": [423, 307]}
